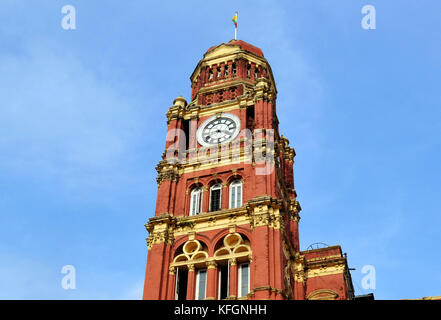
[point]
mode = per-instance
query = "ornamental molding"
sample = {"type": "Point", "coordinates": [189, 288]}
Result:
{"type": "Point", "coordinates": [194, 253]}
{"type": "Point", "coordinates": [167, 172]}
{"type": "Point", "coordinates": [258, 212]}
{"type": "Point", "coordinates": [265, 211]}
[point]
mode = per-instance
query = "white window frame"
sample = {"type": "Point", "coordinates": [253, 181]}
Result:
{"type": "Point", "coordinates": [234, 185]}
{"type": "Point", "coordinates": [198, 208]}
{"type": "Point", "coordinates": [217, 186]}
{"type": "Point", "coordinates": [197, 284]}
{"type": "Point", "coordinates": [177, 284]}
{"type": "Point", "coordinates": [239, 279]}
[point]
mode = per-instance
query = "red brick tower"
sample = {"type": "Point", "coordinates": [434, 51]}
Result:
{"type": "Point", "coordinates": [226, 219]}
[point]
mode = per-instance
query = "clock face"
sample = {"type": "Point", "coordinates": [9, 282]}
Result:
{"type": "Point", "coordinates": [217, 130]}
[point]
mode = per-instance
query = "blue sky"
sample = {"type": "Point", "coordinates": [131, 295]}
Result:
{"type": "Point", "coordinates": [82, 126]}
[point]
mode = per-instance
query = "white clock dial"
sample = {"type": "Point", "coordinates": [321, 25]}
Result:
{"type": "Point", "coordinates": [217, 129]}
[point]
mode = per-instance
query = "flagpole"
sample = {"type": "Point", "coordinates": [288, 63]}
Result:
{"type": "Point", "coordinates": [235, 26]}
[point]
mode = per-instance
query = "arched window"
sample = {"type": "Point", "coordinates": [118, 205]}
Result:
{"type": "Point", "coordinates": [210, 75]}
{"type": "Point", "coordinates": [196, 201]}
{"type": "Point", "coordinates": [233, 247]}
{"type": "Point", "coordinates": [236, 194]}
{"type": "Point", "coordinates": [216, 197]}
{"type": "Point", "coordinates": [218, 73]}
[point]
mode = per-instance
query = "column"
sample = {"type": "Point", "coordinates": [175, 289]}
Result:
{"type": "Point", "coordinates": [223, 66]}
{"type": "Point", "coordinates": [205, 199]}
{"type": "Point", "coordinates": [225, 196]}
{"type": "Point", "coordinates": [171, 283]}
{"type": "Point", "coordinates": [230, 69]}
{"type": "Point", "coordinates": [212, 280]}
{"type": "Point", "coordinates": [191, 282]}
{"type": "Point", "coordinates": [233, 278]}
{"type": "Point", "coordinates": [260, 267]}
{"type": "Point", "coordinates": [154, 280]}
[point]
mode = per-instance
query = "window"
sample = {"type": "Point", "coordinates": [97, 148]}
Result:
{"type": "Point", "coordinates": [248, 71]}
{"type": "Point", "coordinates": [201, 284]}
{"type": "Point", "coordinates": [224, 281]}
{"type": "Point", "coordinates": [243, 279]}
{"type": "Point", "coordinates": [226, 70]}
{"type": "Point", "coordinates": [215, 197]}
{"type": "Point", "coordinates": [187, 133]}
{"type": "Point", "coordinates": [196, 201]}
{"type": "Point", "coordinates": [181, 284]}
{"type": "Point", "coordinates": [210, 77]}
{"type": "Point", "coordinates": [236, 194]}
{"type": "Point", "coordinates": [250, 118]}
{"type": "Point", "coordinates": [218, 72]}
{"type": "Point", "coordinates": [234, 69]}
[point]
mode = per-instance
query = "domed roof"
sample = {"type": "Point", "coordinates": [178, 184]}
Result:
{"type": "Point", "coordinates": [243, 45]}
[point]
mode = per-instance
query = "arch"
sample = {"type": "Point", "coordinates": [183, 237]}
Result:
{"type": "Point", "coordinates": [322, 294]}
{"type": "Point", "coordinates": [241, 248]}
{"type": "Point", "coordinates": [205, 240]}
{"type": "Point", "coordinates": [176, 246]}
{"type": "Point", "coordinates": [221, 252]}
{"type": "Point", "coordinates": [179, 250]}
{"type": "Point", "coordinates": [199, 255]}
{"type": "Point", "coordinates": [214, 181]}
{"type": "Point", "coordinates": [179, 243]}
{"type": "Point", "coordinates": [245, 233]}
{"type": "Point", "coordinates": [194, 185]}
{"type": "Point", "coordinates": [180, 258]}
{"type": "Point", "coordinates": [232, 246]}
{"type": "Point", "coordinates": [193, 250]}
{"type": "Point", "coordinates": [234, 176]}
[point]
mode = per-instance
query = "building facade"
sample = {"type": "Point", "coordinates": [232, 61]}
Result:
{"type": "Point", "coordinates": [226, 224]}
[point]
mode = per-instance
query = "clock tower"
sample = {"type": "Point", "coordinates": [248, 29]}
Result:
{"type": "Point", "coordinates": [226, 219]}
